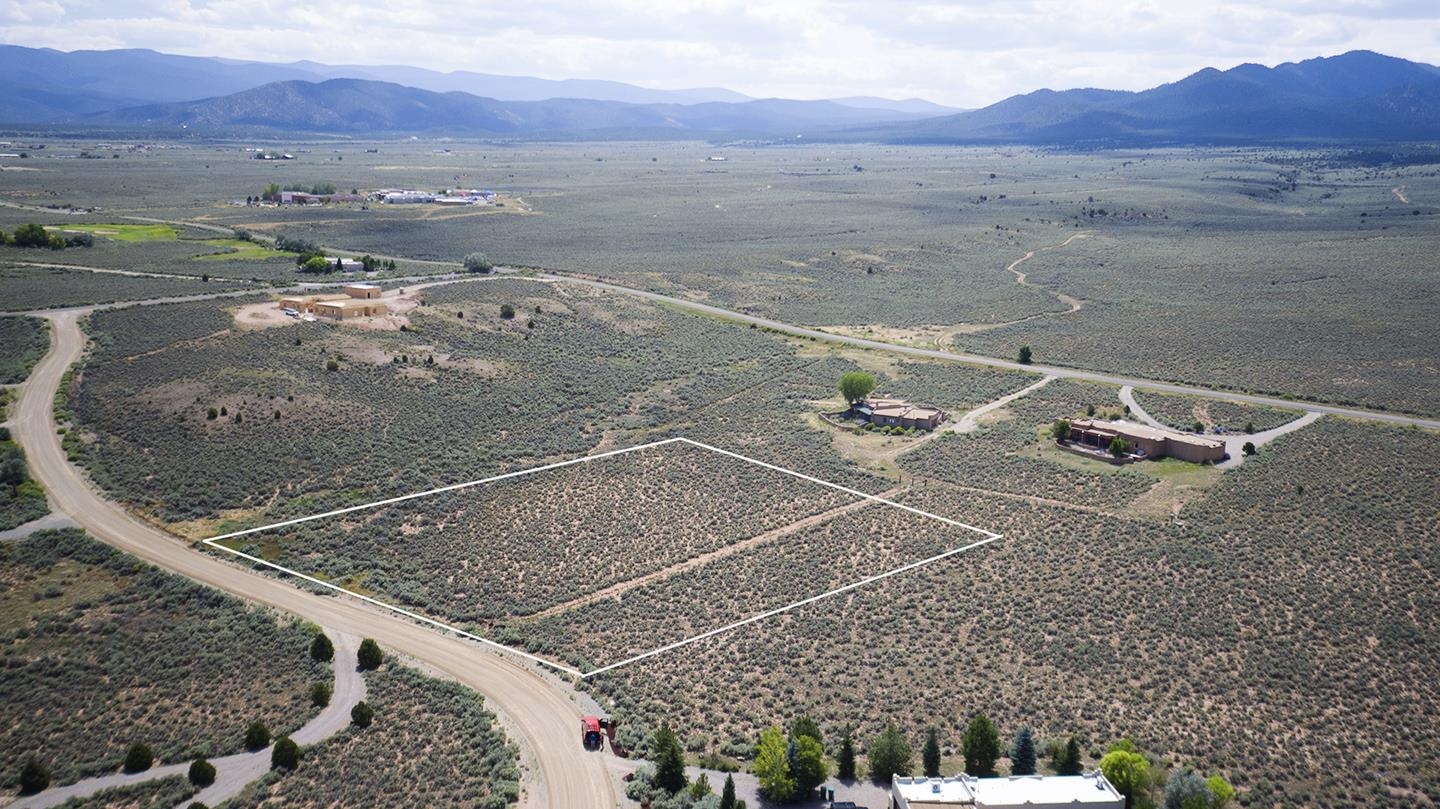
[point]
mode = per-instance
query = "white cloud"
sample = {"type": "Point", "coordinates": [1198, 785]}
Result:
{"type": "Point", "coordinates": [966, 54]}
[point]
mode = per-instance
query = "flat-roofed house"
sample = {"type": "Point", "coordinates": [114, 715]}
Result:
{"type": "Point", "coordinates": [898, 413]}
{"type": "Point", "coordinates": [363, 291]}
{"type": "Point", "coordinates": [348, 308]}
{"type": "Point", "coordinates": [1146, 441]}
{"type": "Point", "coordinates": [1088, 791]}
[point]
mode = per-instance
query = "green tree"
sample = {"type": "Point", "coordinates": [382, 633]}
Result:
{"type": "Point", "coordinates": [1128, 771]}
{"type": "Point", "coordinates": [1060, 430]}
{"type": "Point", "coordinates": [202, 772]}
{"type": "Point", "coordinates": [669, 760]}
{"type": "Point", "coordinates": [31, 235]}
{"type": "Point", "coordinates": [772, 766]}
{"type": "Point", "coordinates": [982, 747]}
{"type": "Point", "coordinates": [139, 757]}
{"type": "Point", "coordinates": [727, 793]}
{"type": "Point", "coordinates": [1249, 448]}
{"type": "Point", "coordinates": [807, 764]}
{"type": "Point", "coordinates": [1068, 762]}
{"type": "Point", "coordinates": [362, 714]}
{"type": "Point", "coordinates": [889, 754]}
{"type": "Point", "coordinates": [805, 726]}
{"type": "Point", "coordinates": [321, 649]}
{"type": "Point", "coordinates": [1186, 790]}
{"type": "Point", "coordinates": [1119, 446]}
{"type": "Point", "coordinates": [257, 737]}
{"type": "Point", "coordinates": [286, 755]}
{"type": "Point", "coordinates": [478, 262]}
{"type": "Point", "coordinates": [1220, 790]}
{"type": "Point", "coordinates": [845, 761]}
{"type": "Point", "coordinates": [317, 265]}
{"type": "Point", "coordinates": [930, 753]}
{"type": "Point", "coordinates": [855, 385]}
{"type": "Point", "coordinates": [700, 787]}
{"type": "Point", "coordinates": [320, 695]}
{"type": "Point", "coordinates": [34, 776]}
{"type": "Point", "coordinates": [507, 311]}
{"type": "Point", "coordinates": [1024, 355]}
{"type": "Point", "coordinates": [369, 656]}
{"type": "Point", "coordinates": [1022, 753]}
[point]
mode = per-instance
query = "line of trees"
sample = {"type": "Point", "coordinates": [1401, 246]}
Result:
{"type": "Point", "coordinates": [33, 235]}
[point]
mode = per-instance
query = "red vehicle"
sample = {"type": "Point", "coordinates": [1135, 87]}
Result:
{"type": "Point", "coordinates": [590, 733]}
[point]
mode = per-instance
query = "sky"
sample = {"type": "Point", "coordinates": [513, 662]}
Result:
{"type": "Point", "coordinates": [963, 54]}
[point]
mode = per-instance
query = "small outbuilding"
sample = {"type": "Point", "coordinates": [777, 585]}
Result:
{"type": "Point", "coordinates": [363, 291]}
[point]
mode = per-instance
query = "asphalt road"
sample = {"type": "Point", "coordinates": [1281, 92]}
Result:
{"type": "Point", "coordinates": [539, 716]}
{"type": "Point", "coordinates": [991, 362]}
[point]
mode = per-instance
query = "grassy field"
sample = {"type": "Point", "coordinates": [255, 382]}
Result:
{"type": "Point", "coordinates": [432, 744]}
{"type": "Point", "coordinates": [144, 656]}
{"type": "Point", "coordinates": [23, 341]}
{"type": "Point", "coordinates": [125, 233]}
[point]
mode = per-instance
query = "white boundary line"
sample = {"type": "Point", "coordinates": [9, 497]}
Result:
{"type": "Point", "coordinates": [990, 536]}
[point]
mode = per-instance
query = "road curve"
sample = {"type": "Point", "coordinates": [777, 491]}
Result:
{"type": "Point", "coordinates": [540, 719]}
{"type": "Point", "coordinates": [991, 362]}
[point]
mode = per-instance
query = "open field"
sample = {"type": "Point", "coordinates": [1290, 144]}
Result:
{"type": "Point", "coordinates": [1290, 606]}
{"type": "Point", "coordinates": [143, 655]}
{"type": "Point", "coordinates": [432, 744]}
{"type": "Point", "coordinates": [1278, 271]}
{"type": "Point", "coordinates": [30, 288]}
{"type": "Point", "coordinates": [23, 341]}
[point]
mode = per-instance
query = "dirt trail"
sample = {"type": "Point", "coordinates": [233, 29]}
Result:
{"type": "Point", "coordinates": [616, 590]}
{"type": "Point", "coordinates": [1020, 278]}
{"type": "Point", "coordinates": [1234, 442]}
{"type": "Point", "coordinates": [1399, 192]}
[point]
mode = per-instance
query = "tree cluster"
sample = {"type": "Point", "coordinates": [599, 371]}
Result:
{"type": "Point", "coordinates": [791, 768]}
{"type": "Point", "coordinates": [33, 235]}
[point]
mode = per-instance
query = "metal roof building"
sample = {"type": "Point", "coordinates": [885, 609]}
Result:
{"type": "Point", "coordinates": [1088, 791]}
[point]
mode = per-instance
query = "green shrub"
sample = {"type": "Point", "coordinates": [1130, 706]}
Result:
{"type": "Point", "coordinates": [139, 758]}
{"type": "Point", "coordinates": [286, 755]}
{"type": "Point", "coordinates": [202, 772]}
{"type": "Point", "coordinates": [362, 715]}
{"type": "Point", "coordinates": [369, 656]}
{"type": "Point", "coordinates": [257, 736]}
{"type": "Point", "coordinates": [34, 776]}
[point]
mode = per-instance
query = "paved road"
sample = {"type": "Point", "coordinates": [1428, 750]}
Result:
{"type": "Point", "coordinates": [234, 772]}
{"type": "Point", "coordinates": [540, 717]}
{"type": "Point", "coordinates": [991, 362]}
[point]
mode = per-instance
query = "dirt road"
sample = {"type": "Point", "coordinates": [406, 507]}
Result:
{"type": "Point", "coordinates": [540, 717]}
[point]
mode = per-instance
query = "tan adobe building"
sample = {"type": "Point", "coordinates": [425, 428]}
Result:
{"type": "Point", "coordinates": [1145, 441]}
{"type": "Point", "coordinates": [304, 304]}
{"type": "Point", "coordinates": [348, 308]}
{"type": "Point", "coordinates": [898, 413]}
{"type": "Point", "coordinates": [362, 291]}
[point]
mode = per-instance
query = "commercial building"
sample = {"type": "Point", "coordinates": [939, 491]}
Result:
{"type": "Point", "coordinates": [898, 413]}
{"type": "Point", "coordinates": [1143, 441]}
{"type": "Point", "coordinates": [1088, 791]}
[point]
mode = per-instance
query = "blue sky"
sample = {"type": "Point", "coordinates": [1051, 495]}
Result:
{"type": "Point", "coordinates": [959, 53]}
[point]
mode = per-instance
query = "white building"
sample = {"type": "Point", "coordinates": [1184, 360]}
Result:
{"type": "Point", "coordinates": [1088, 791]}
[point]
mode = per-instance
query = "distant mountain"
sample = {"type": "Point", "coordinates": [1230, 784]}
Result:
{"type": "Point", "coordinates": [53, 86]}
{"type": "Point", "coordinates": [357, 106]}
{"type": "Point", "coordinates": [1354, 96]}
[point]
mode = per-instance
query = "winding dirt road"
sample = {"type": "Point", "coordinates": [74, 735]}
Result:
{"type": "Point", "coordinates": [539, 716]}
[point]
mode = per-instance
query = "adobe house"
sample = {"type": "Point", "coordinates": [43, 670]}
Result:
{"type": "Point", "coordinates": [1145, 441]}
{"type": "Point", "coordinates": [349, 308]}
{"type": "Point", "coordinates": [363, 291]}
{"type": "Point", "coordinates": [898, 413]}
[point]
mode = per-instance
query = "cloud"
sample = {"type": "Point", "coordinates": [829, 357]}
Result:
{"type": "Point", "coordinates": [965, 54]}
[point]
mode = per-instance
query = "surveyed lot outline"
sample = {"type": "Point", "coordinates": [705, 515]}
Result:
{"type": "Point", "coordinates": [988, 537]}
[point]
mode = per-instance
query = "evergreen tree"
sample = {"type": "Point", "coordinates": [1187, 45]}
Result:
{"type": "Point", "coordinates": [805, 726]}
{"type": "Point", "coordinates": [320, 695]}
{"type": "Point", "coordinates": [362, 714]}
{"type": "Point", "coordinates": [139, 757]}
{"type": "Point", "coordinates": [1022, 753]}
{"type": "Point", "coordinates": [202, 772]}
{"type": "Point", "coordinates": [34, 776]}
{"type": "Point", "coordinates": [845, 765]}
{"type": "Point", "coordinates": [321, 649]}
{"type": "Point", "coordinates": [257, 737]}
{"type": "Point", "coordinates": [370, 657]}
{"type": "Point", "coordinates": [669, 760]}
{"type": "Point", "coordinates": [889, 755]}
{"type": "Point", "coordinates": [286, 755]}
{"type": "Point", "coordinates": [1069, 762]}
{"type": "Point", "coordinates": [982, 747]}
{"type": "Point", "coordinates": [727, 794]}
{"type": "Point", "coordinates": [930, 754]}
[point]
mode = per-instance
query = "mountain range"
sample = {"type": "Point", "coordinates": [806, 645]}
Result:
{"type": "Point", "coordinates": [1356, 96]}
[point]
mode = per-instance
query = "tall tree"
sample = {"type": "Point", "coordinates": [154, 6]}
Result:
{"type": "Point", "coordinates": [1025, 355]}
{"type": "Point", "coordinates": [369, 656]}
{"type": "Point", "coordinates": [807, 764]}
{"type": "Point", "coordinates": [845, 761]}
{"type": "Point", "coordinates": [772, 766]}
{"type": "Point", "coordinates": [1128, 771]}
{"type": "Point", "coordinates": [982, 747]}
{"type": "Point", "coordinates": [321, 649]}
{"type": "Point", "coordinates": [930, 753]}
{"type": "Point", "coordinates": [855, 385]}
{"type": "Point", "coordinates": [727, 794]}
{"type": "Point", "coordinates": [1221, 790]}
{"type": "Point", "coordinates": [889, 755]}
{"type": "Point", "coordinates": [285, 755]}
{"type": "Point", "coordinates": [1069, 761]}
{"type": "Point", "coordinates": [805, 726]}
{"type": "Point", "coordinates": [669, 760]}
{"type": "Point", "coordinates": [1022, 753]}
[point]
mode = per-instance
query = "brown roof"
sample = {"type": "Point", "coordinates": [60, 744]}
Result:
{"type": "Point", "coordinates": [1130, 429]}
